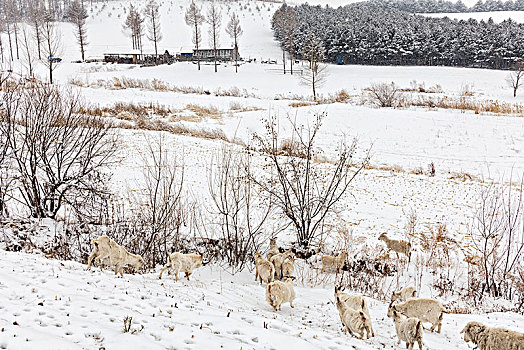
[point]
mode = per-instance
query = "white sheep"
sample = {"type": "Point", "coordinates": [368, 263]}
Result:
{"type": "Point", "coordinates": [273, 248]}
{"type": "Point", "coordinates": [399, 247]}
{"type": "Point", "coordinates": [102, 247]}
{"type": "Point", "coordinates": [106, 250]}
{"type": "Point", "coordinates": [264, 270]}
{"type": "Point", "coordinates": [121, 257]}
{"type": "Point", "coordinates": [277, 261]}
{"type": "Point", "coordinates": [354, 321]}
{"type": "Point", "coordinates": [404, 294]}
{"type": "Point", "coordinates": [279, 292]}
{"type": "Point", "coordinates": [426, 310]}
{"type": "Point", "coordinates": [331, 262]}
{"type": "Point", "coordinates": [180, 262]}
{"type": "Point", "coordinates": [288, 267]}
{"type": "Point", "coordinates": [492, 338]}
{"type": "Point", "coordinates": [408, 330]}
{"type": "Point", "coordinates": [357, 303]}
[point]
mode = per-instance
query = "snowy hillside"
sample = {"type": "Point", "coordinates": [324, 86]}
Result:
{"type": "Point", "coordinates": [49, 304]}
{"type": "Point", "coordinates": [446, 155]}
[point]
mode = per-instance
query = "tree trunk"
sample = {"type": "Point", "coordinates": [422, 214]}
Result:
{"type": "Point", "coordinates": [284, 57]}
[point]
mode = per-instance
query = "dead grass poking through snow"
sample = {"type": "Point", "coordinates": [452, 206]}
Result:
{"type": "Point", "coordinates": [205, 112]}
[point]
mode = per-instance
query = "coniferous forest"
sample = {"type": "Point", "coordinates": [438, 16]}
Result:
{"type": "Point", "coordinates": [365, 33]}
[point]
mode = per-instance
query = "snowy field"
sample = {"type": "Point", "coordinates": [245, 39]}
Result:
{"type": "Point", "coordinates": [50, 304]}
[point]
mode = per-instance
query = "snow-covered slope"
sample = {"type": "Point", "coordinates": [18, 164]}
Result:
{"type": "Point", "coordinates": [49, 304]}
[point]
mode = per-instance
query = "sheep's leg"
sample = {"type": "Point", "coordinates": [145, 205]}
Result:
{"type": "Point", "coordinates": [420, 344]}
{"type": "Point", "coordinates": [166, 266]}
{"type": "Point", "coordinates": [439, 327]}
{"type": "Point", "coordinates": [187, 275]}
{"type": "Point", "coordinates": [432, 329]}
{"type": "Point", "coordinates": [349, 331]}
{"type": "Point", "coordinates": [90, 258]}
{"type": "Point", "coordinates": [256, 273]}
{"type": "Point", "coordinates": [409, 346]}
{"type": "Point", "coordinates": [118, 269]}
{"type": "Point", "coordinates": [291, 304]}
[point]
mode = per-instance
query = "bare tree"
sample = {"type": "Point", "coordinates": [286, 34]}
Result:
{"type": "Point", "coordinates": [59, 155]}
{"type": "Point", "coordinates": [135, 24]}
{"type": "Point", "coordinates": [214, 19]}
{"type": "Point", "coordinates": [77, 15]}
{"type": "Point", "coordinates": [303, 189]}
{"type": "Point", "coordinates": [27, 51]}
{"type": "Point", "coordinates": [52, 44]}
{"type": "Point", "coordinates": [194, 18]}
{"type": "Point", "coordinates": [9, 30]}
{"type": "Point", "coordinates": [277, 23]}
{"type": "Point", "coordinates": [2, 31]}
{"type": "Point", "coordinates": [161, 212]}
{"type": "Point", "coordinates": [13, 17]}
{"type": "Point", "coordinates": [284, 22]}
{"type": "Point", "coordinates": [516, 78]}
{"type": "Point", "coordinates": [241, 213]}
{"type": "Point", "coordinates": [6, 174]}
{"type": "Point", "coordinates": [235, 31]}
{"type": "Point", "coordinates": [35, 19]}
{"type": "Point", "coordinates": [153, 16]}
{"type": "Point", "coordinates": [315, 73]}
{"type": "Point", "coordinates": [497, 233]}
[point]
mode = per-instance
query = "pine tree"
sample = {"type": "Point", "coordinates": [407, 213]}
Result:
{"type": "Point", "coordinates": [153, 17]}
{"type": "Point", "coordinates": [194, 18]}
{"type": "Point", "coordinates": [235, 31]}
{"type": "Point", "coordinates": [77, 15]}
{"type": "Point", "coordinates": [214, 19]}
{"type": "Point", "coordinates": [315, 73]}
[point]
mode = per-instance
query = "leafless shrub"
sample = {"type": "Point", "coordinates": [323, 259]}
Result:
{"type": "Point", "coordinates": [367, 273]}
{"type": "Point", "coordinates": [60, 156]}
{"type": "Point", "coordinates": [240, 213]}
{"type": "Point", "coordinates": [497, 234]}
{"type": "Point", "coordinates": [160, 208]}
{"type": "Point", "coordinates": [384, 94]}
{"type": "Point", "coordinates": [516, 78]}
{"type": "Point", "coordinates": [304, 191]}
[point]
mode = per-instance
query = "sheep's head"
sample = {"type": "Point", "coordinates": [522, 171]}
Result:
{"type": "Point", "coordinates": [395, 296]}
{"type": "Point", "coordinates": [382, 237]}
{"type": "Point", "coordinates": [257, 256]}
{"type": "Point", "coordinates": [289, 279]}
{"type": "Point", "coordinates": [472, 331]}
{"type": "Point", "coordinates": [338, 290]}
{"type": "Point", "coordinates": [199, 261]}
{"type": "Point", "coordinates": [344, 255]}
{"type": "Point", "coordinates": [391, 309]}
{"type": "Point", "coordinates": [273, 242]}
{"type": "Point", "coordinates": [138, 262]}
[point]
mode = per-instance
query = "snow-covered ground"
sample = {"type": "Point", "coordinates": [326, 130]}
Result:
{"type": "Point", "coordinates": [55, 305]}
{"type": "Point", "coordinates": [49, 304]}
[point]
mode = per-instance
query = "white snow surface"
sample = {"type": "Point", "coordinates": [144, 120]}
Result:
{"type": "Point", "coordinates": [50, 304]}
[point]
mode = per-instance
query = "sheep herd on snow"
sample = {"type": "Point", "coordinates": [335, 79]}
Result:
{"type": "Point", "coordinates": [407, 311]}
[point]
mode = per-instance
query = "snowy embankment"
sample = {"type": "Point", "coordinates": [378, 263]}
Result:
{"type": "Point", "coordinates": [50, 304]}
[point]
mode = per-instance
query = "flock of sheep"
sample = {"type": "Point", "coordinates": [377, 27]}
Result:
{"type": "Point", "coordinates": [276, 271]}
